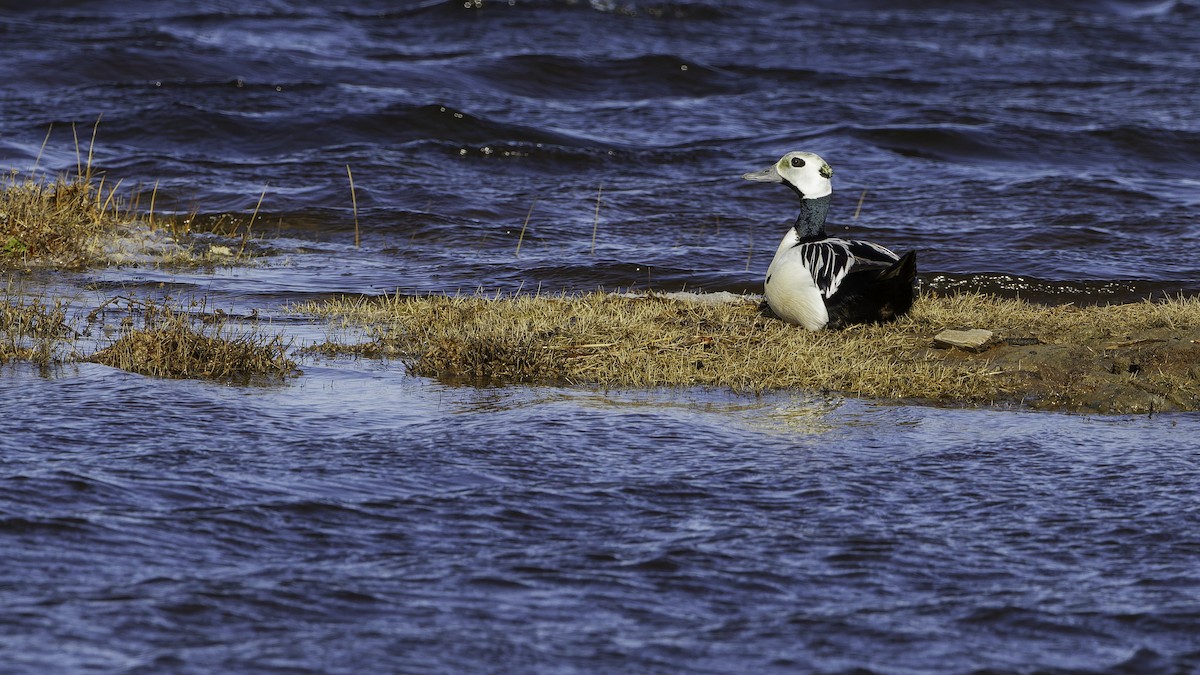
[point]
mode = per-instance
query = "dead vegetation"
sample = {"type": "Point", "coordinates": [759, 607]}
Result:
{"type": "Point", "coordinates": [78, 222]}
{"type": "Point", "coordinates": [170, 342]}
{"type": "Point", "coordinates": [33, 330]}
{"type": "Point", "coordinates": [84, 220]}
{"type": "Point", "coordinates": [1127, 358]}
{"type": "Point", "coordinates": [173, 343]}
{"type": "Point", "coordinates": [53, 221]}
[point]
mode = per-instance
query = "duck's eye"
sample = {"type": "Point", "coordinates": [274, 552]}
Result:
{"type": "Point", "coordinates": [797, 162]}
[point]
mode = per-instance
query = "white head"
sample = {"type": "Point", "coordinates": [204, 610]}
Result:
{"type": "Point", "coordinates": [804, 172]}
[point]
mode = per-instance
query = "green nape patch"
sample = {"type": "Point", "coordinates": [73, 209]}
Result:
{"type": "Point", "coordinates": [1138, 357]}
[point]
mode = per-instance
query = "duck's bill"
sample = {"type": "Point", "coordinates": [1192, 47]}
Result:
{"type": "Point", "coordinates": [767, 175]}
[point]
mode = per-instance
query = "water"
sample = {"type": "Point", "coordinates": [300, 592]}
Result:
{"type": "Point", "coordinates": [369, 519]}
{"type": "Point", "coordinates": [358, 519]}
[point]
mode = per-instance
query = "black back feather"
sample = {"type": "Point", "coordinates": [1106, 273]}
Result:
{"type": "Point", "coordinates": [874, 294]}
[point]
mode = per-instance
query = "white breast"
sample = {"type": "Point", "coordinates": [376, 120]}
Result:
{"type": "Point", "coordinates": [790, 289]}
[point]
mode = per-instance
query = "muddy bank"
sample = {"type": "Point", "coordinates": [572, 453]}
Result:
{"type": "Point", "coordinates": [1139, 371]}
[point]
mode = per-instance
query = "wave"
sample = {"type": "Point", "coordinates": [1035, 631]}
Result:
{"type": "Point", "coordinates": [207, 130]}
{"type": "Point", "coordinates": [1002, 142]}
{"type": "Point", "coordinates": [651, 76]}
{"type": "Point", "coordinates": [631, 8]}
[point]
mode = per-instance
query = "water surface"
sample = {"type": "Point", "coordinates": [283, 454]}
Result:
{"type": "Point", "coordinates": [359, 519]}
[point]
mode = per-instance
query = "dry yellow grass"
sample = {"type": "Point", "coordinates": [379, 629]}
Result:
{"type": "Point", "coordinates": [53, 221]}
{"type": "Point", "coordinates": [1139, 357]}
{"type": "Point", "coordinates": [77, 222]}
{"type": "Point", "coordinates": [170, 342]}
{"type": "Point", "coordinates": [32, 329]}
{"type": "Point", "coordinates": [85, 220]}
{"type": "Point", "coordinates": [173, 344]}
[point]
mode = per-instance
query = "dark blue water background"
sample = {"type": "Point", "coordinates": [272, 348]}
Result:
{"type": "Point", "coordinates": [361, 520]}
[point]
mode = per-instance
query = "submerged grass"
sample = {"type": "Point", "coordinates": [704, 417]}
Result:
{"type": "Point", "coordinates": [33, 330]}
{"type": "Point", "coordinates": [1139, 357]}
{"type": "Point", "coordinates": [171, 343]}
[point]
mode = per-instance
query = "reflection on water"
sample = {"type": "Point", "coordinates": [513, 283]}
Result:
{"type": "Point", "coordinates": [781, 413]}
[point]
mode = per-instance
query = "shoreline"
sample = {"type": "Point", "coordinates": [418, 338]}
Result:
{"type": "Point", "coordinates": [1135, 358]}
{"type": "Point", "coordinates": [1138, 358]}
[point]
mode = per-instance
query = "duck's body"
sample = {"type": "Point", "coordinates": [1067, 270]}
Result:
{"type": "Point", "coordinates": [833, 282]}
{"type": "Point", "coordinates": [816, 280]}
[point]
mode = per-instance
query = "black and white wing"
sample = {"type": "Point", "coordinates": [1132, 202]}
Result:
{"type": "Point", "coordinates": [867, 252]}
{"type": "Point", "coordinates": [828, 260]}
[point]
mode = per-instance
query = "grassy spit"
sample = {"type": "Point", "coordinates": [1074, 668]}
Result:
{"type": "Point", "coordinates": [1141, 357]}
{"type": "Point", "coordinates": [1130, 358]}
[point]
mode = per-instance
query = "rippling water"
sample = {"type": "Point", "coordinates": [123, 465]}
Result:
{"type": "Point", "coordinates": [519, 529]}
{"type": "Point", "coordinates": [1057, 144]}
{"type": "Point", "coordinates": [360, 520]}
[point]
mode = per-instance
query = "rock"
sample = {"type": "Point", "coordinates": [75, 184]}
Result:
{"type": "Point", "coordinates": [973, 340]}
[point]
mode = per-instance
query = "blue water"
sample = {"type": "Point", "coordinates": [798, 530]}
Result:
{"type": "Point", "coordinates": [368, 521]}
{"type": "Point", "coordinates": [357, 519]}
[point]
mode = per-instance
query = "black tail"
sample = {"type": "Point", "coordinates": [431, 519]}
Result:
{"type": "Point", "coordinates": [875, 296]}
{"type": "Point", "coordinates": [898, 281]}
{"type": "Point", "coordinates": [905, 269]}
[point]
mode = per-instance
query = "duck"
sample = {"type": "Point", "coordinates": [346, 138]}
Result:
{"type": "Point", "coordinates": [818, 281]}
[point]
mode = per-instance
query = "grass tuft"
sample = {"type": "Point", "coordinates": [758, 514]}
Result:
{"type": "Point", "coordinates": [55, 221]}
{"type": "Point", "coordinates": [84, 220]}
{"type": "Point", "coordinates": [172, 344]}
{"type": "Point", "coordinates": [74, 223]}
{"type": "Point", "coordinates": [32, 329]}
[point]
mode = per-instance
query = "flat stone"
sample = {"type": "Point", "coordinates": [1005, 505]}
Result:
{"type": "Point", "coordinates": [973, 340]}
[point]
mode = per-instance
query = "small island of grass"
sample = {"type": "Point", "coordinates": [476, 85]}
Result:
{"type": "Point", "coordinates": [1133, 358]}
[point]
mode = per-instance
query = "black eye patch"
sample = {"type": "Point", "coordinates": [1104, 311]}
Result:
{"type": "Point", "coordinates": [797, 162]}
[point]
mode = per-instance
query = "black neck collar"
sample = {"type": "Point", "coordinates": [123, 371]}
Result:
{"type": "Point", "coordinates": [810, 224]}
